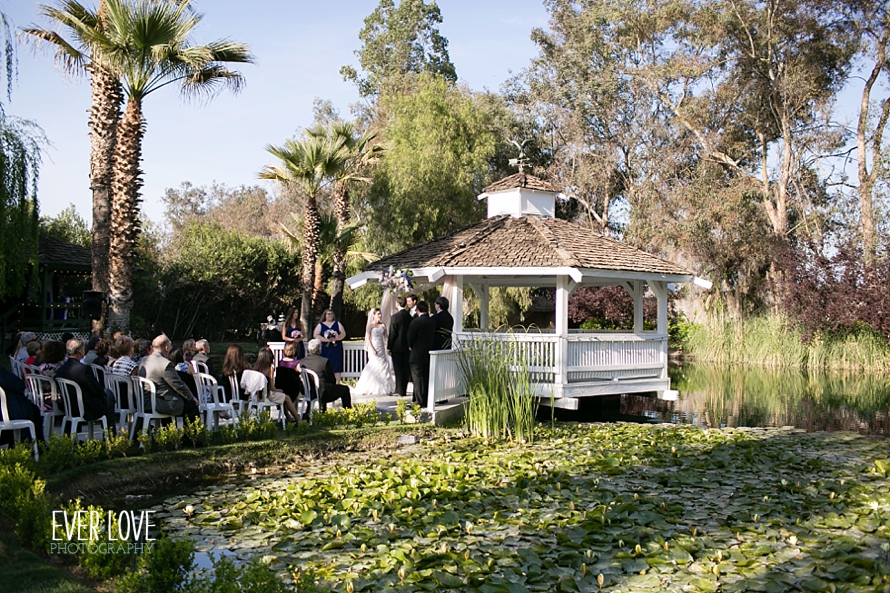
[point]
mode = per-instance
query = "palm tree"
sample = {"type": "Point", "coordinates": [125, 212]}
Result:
{"type": "Point", "coordinates": [73, 56]}
{"type": "Point", "coordinates": [359, 153]}
{"type": "Point", "coordinates": [309, 163]}
{"type": "Point", "coordinates": [147, 43]}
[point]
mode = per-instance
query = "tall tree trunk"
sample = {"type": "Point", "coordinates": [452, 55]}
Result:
{"type": "Point", "coordinates": [105, 113]}
{"type": "Point", "coordinates": [311, 225]}
{"type": "Point", "coordinates": [867, 179]}
{"type": "Point", "coordinates": [338, 278]}
{"type": "Point", "coordinates": [126, 182]}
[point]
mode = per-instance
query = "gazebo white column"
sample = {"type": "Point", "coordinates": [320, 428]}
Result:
{"type": "Point", "coordinates": [661, 296]}
{"type": "Point", "coordinates": [565, 286]}
{"type": "Point", "coordinates": [456, 300]}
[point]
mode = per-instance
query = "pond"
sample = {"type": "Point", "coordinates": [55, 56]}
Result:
{"type": "Point", "coordinates": [735, 396]}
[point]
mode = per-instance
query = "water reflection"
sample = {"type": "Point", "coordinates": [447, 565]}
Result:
{"type": "Point", "coordinates": [737, 396]}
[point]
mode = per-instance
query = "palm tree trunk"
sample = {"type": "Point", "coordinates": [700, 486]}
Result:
{"type": "Point", "coordinates": [126, 182]}
{"type": "Point", "coordinates": [341, 211]}
{"type": "Point", "coordinates": [311, 224]}
{"type": "Point", "coordinates": [105, 113]}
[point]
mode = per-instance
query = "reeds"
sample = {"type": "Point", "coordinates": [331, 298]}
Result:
{"type": "Point", "coordinates": [771, 340]}
{"type": "Point", "coordinates": [502, 402]}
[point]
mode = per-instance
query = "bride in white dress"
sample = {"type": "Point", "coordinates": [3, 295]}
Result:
{"type": "Point", "coordinates": [377, 378]}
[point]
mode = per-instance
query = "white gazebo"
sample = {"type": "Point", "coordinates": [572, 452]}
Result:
{"type": "Point", "coordinates": [522, 243]}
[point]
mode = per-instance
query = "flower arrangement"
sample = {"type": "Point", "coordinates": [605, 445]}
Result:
{"type": "Point", "coordinates": [398, 280]}
{"type": "Point", "coordinates": [329, 334]}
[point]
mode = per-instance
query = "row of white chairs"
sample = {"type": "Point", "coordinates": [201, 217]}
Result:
{"type": "Point", "coordinates": [130, 400]}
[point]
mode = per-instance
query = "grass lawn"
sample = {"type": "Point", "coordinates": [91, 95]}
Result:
{"type": "Point", "coordinates": [25, 572]}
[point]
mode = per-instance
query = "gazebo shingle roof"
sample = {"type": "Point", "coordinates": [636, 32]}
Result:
{"type": "Point", "coordinates": [528, 241]}
{"type": "Point", "coordinates": [520, 180]}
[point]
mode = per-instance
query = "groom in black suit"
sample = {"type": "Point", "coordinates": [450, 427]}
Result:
{"type": "Point", "coordinates": [421, 335]}
{"type": "Point", "coordinates": [397, 345]}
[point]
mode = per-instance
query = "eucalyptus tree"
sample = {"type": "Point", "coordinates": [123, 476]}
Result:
{"type": "Point", "coordinates": [308, 163]}
{"type": "Point", "coordinates": [399, 40]}
{"type": "Point", "coordinates": [73, 54]}
{"type": "Point", "coordinates": [148, 43]}
{"type": "Point", "coordinates": [872, 20]}
{"type": "Point", "coordinates": [360, 153]}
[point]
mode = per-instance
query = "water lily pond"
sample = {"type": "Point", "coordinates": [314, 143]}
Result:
{"type": "Point", "coordinates": [757, 397]}
{"type": "Point", "coordinates": [629, 507]}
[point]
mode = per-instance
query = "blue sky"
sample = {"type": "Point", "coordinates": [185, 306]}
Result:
{"type": "Point", "coordinates": [300, 47]}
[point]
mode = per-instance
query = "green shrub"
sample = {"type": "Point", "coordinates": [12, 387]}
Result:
{"type": "Point", "coordinates": [116, 445]}
{"type": "Point", "coordinates": [164, 568]}
{"type": "Point", "coordinates": [402, 409]}
{"type": "Point", "coordinates": [97, 560]}
{"type": "Point", "coordinates": [195, 432]}
{"type": "Point", "coordinates": [169, 437]}
{"type": "Point", "coordinates": [23, 497]}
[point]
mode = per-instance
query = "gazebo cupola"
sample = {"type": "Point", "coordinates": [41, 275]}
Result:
{"type": "Point", "coordinates": [520, 194]}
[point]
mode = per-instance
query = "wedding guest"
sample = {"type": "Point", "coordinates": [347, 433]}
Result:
{"type": "Point", "coordinates": [290, 359]}
{"type": "Point", "coordinates": [101, 358]}
{"type": "Point", "coordinates": [143, 349]}
{"type": "Point", "coordinates": [234, 363]}
{"type": "Point", "coordinates": [264, 361]}
{"type": "Point", "coordinates": [21, 353]}
{"type": "Point", "coordinates": [18, 406]}
{"type": "Point", "coordinates": [52, 355]}
{"type": "Point", "coordinates": [330, 333]}
{"type": "Point", "coordinates": [124, 364]}
{"type": "Point", "coordinates": [33, 353]}
{"type": "Point", "coordinates": [98, 402]}
{"type": "Point", "coordinates": [91, 349]}
{"type": "Point", "coordinates": [329, 388]}
{"type": "Point", "coordinates": [189, 349]}
{"type": "Point", "coordinates": [173, 396]}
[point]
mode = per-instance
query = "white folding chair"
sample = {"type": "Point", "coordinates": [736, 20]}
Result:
{"type": "Point", "coordinates": [43, 389]}
{"type": "Point", "coordinates": [72, 393]}
{"type": "Point", "coordinates": [200, 367]}
{"type": "Point", "coordinates": [17, 425]}
{"type": "Point", "coordinates": [17, 367]}
{"type": "Point", "coordinates": [213, 399]}
{"type": "Point", "coordinates": [259, 399]}
{"type": "Point", "coordinates": [240, 404]}
{"type": "Point", "coordinates": [99, 373]}
{"type": "Point", "coordinates": [311, 385]}
{"type": "Point", "coordinates": [124, 400]}
{"type": "Point", "coordinates": [146, 388]}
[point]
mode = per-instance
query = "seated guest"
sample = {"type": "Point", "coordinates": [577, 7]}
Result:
{"type": "Point", "coordinates": [52, 355]}
{"type": "Point", "coordinates": [19, 406]}
{"type": "Point", "coordinates": [21, 353]}
{"type": "Point", "coordinates": [233, 365]}
{"type": "Point", "coordinates": [264, 361]}
{"type": "Point", "coordinates": [91, 349]}
{"type": "Point", "coordinates": [189, 350]}
{"type": "Point", "coordinates": [290, 360]}
{"type": "Point", "coordinates": [101, 358]}
{"type": "Point", "coordinates": [33, 353]}
{"type": "Point", "coordinates": [97, 401]}
{"type": "Point", "coordinates": [173, 396]}
{"type": "Point", "coordinates": [184, 370]}
{"type": "Point", "coordinates": [143, 349]}
{"type": "Point", "coordinates": [203, 354]}
{"type": "Point", "coordinates": [329, 389]}
{"type": "Point", "coordinates": [124, 364]}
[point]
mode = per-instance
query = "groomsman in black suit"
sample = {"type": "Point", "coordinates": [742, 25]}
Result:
{"type": "Point", "coordinates": [444, 325]}
{"type": "Point", "coordinates": [411, 304]}
{"type": "Point", "coordinates": [420, 339]}
{"type": "Point", "coordinates": [397, 345]}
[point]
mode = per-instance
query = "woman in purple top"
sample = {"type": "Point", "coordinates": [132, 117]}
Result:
{"type": "Point", "coordinates": [290, 358]}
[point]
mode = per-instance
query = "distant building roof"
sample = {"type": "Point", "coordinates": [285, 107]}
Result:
{"type": "Point", "coordinates": [528, 241]}
{"type": "Point", "coordinates": [520, 180]}
{"type": "Point", "coordinates": [59, 254]}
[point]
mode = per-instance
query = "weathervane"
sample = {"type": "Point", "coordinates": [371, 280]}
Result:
{"type": "Point", "coordinates": [522, 160]}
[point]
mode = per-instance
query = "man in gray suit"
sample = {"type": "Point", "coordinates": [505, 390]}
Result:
{"type": "Point", "coordinates": [174, 397]}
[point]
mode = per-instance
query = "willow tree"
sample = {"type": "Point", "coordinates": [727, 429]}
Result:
{"type": "Point", "coordinates": [148, 43]}
{"type": "Point", "coordinates": [20, 143]}
{"type": "Point", "coordinates": [309, 163]}
{"type": "Point", "coordinates": [73, 55]}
